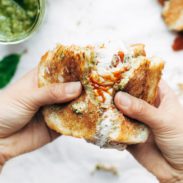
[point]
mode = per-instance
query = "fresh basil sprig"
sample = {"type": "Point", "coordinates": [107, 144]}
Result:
{"type": "Point", "coordinates": [8, 67]}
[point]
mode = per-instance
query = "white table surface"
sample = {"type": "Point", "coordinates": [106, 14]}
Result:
{"type": "Point", "coordinates": [71, 160]}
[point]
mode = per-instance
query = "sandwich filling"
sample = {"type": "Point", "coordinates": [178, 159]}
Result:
{"type": "Point", "coordinates": [109, 69]}
{"type": "Point", "coordinates": [112, 71]}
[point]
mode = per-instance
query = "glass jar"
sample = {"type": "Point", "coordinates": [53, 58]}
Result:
{"type": "Point", "coordinates": [30, 31]}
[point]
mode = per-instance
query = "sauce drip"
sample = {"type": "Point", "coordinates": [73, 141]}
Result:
{"type": "Point", "coordinates": [178, 43]}
{"type": "Point", "coordinates": [110, 80]}
{"type": "Point", "coordinates": [121, 56]}
{"type": "Point", "coordinates": [162, 2]}
{"type": "Point", "coordinates": [100, 93]}
{"type": "Point", "coordinates": [117, 59]}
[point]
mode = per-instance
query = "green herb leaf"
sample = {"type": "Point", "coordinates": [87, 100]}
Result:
{"type": "Point", "coordinates": [8, 66]}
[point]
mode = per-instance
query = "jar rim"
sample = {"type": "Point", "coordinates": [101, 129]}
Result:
{"type": "Point", "coordinates": [31, 31]}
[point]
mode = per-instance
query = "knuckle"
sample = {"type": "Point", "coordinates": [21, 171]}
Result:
{"type": "Point", "coordinates": [54, 92]}
{"type": "Point", "coordinates": [138, 108]}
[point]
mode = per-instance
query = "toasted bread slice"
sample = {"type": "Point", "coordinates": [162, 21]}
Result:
{"type": "Point", "coordinates": [102, 71]}
{"type": "Point", "coordinates": [173, 14]}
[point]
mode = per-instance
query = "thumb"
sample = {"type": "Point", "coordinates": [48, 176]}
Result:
{"type": "Point", "coordinates": [137, 109]}
{"type": "Point", "coordinates": [55, 93]}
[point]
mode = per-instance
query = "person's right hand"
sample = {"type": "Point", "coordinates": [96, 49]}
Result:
{"type": "Point", "coordinates": [162, 154]}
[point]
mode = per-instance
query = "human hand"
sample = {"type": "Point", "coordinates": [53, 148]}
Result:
{"type": "Point", "coordinates": [22, 128]}
{"type": "Point", "coordinates": [162, 154]}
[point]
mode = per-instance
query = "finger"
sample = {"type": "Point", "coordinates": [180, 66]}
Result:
{"type": "Point", "coordinates": [142, 152]}
{"type": "Point", "coordinates": [150, 157]}
{"type": "Point", "coordinates": [137, 109]}
{"type": "Point", "coordinates": [53, 134]}
{"type": "Point", "coordinates": [167, 97]}
{"type": "Point", "coordinates": [33, 136]}
{"type": "Point", "coordinates": [157, 99]}
{"type": "Point", "coordinates": [165, 90]}
{"type": "Point", "coordinates": [37, 97]}
{"type": "Point", "coordinates": [56, 93]}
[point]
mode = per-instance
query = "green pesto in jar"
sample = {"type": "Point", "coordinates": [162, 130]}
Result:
{"type": "Point", "coordinates": [17, 17]}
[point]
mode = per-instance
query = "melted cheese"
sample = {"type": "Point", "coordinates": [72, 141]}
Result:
{"type": "Point", "coordinates": [106, 74]}
{"type": "Point", "coordinates": [105, 54]}
{"type": "Point", "coordinates": [107, 128]}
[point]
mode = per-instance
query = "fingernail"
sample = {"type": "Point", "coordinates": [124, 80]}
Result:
{"type": "Point", "coordinates": [72, 88]}
{"type": "Point", "coordinates": [123, 100]}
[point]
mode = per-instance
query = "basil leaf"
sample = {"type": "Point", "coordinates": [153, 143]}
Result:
{"type": "Point", "coordinates": [8, 67]}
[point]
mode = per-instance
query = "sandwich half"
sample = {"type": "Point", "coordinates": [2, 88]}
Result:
{"type": "Point", "coordinates": [173, 14]}
{"type": "Point", "coordinates": [103, 70]}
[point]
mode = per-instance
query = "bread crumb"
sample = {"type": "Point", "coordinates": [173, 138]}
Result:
{"type": "Point", "coordinates": [106, 168]}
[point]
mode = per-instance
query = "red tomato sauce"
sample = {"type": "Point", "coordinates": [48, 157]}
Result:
{"type": "Point", "coordinates": [178, 43]}
{"type": "Point", "coordinates": [162, 2]}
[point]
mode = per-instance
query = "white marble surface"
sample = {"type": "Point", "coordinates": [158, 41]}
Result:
{"type": "Point", "coordinates": [71, 160]}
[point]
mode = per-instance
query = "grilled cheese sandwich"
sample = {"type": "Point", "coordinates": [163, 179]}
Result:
{"type": "Point", "coordinates": [103, 70]}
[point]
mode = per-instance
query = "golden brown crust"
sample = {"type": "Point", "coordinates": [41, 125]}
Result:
{"type": "Point", "coordinates": [152, 80]}
{"type": "Point", "coordinates": [138, 49]}
{"type": "Point", "coordinates": [130, 132]}
{"type": "Point", "coordinates": [135, 87]}
{"type": "Point", "coordinates": [173, 14]}
{"type": "Point", "coordinates": [66, 64]}
{"type": "Point", "coordinates": [144, 85]}
{"type": "Point", "coordinates": [77, 125]}
{"type": "Point", "coordinates": [137, 81]}
{"type": "Point", "coordinates": [63, 63]}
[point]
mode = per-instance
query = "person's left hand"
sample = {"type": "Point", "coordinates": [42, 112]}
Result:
{"type": "Point", "coordinates": [22, 128]}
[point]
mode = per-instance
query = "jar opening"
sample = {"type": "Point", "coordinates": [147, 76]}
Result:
{"type": "Point", "coordinates": [19, 18]}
